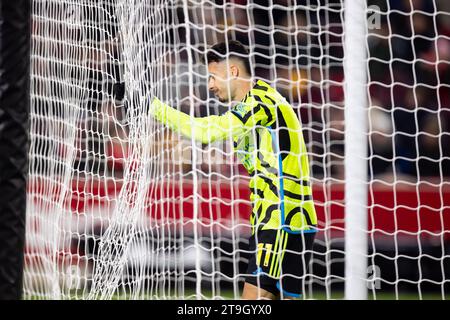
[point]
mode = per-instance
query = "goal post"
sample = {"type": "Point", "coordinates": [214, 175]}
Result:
{"type": "Point", "coordinates": [14, 141]}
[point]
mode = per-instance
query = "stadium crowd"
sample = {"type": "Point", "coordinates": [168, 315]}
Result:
{"type": "Point", "coordinates": [299, 49]}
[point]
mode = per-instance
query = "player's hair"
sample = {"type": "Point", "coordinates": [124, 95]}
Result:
{"type": "Point", "coordinates": [223, 50]}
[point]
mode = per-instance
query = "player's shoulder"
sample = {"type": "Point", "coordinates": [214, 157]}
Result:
{"type": "Point", "coordinates": [261, 89]}
{"type": "Point", "coordinates": [264, 92]}
{"type": "Point", "coordinates": [261, 85]}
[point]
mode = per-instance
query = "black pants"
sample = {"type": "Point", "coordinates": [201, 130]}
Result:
{"type": "Point", "coordinates": [279, 261]}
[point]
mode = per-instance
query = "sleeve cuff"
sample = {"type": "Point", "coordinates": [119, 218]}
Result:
{"type": "Point", "coordinates": [157, 108]}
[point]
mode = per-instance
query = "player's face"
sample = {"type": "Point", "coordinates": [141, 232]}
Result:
{"type": "Point", "coordinates": [219, 81]}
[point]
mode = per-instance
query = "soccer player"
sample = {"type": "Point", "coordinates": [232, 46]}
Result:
{"type": "Point", "coordinates": [269, 143]}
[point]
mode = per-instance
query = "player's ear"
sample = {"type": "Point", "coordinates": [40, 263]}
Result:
{"type": "Point", "coordinates": [234, 71]}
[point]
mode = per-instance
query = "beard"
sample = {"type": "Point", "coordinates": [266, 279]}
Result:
{"type": "Point", "coordinates": [223, 99]}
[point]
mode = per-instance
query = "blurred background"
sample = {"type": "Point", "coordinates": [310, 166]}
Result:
{"type": "Point", "coordinates": [297, 47]}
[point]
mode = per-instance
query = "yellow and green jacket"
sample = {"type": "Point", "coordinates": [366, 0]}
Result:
{"type": "Point", "coordinates": [269, 143]}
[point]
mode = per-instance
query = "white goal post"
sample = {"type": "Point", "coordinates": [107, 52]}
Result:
{"type": "Point", "coordinates": [355, 30]}
{"type": "Point", "coordinates": [121, 207]}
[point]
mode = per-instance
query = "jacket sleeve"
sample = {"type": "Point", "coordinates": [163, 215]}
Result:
{"type": "Point", "coordinates": [205, 129]}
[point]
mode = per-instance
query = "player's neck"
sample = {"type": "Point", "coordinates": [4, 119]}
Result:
{"type": "Point", "coordinates": [242, 88]}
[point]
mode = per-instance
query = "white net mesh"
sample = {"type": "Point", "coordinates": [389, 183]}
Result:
{"type": "Point", "coordinates": [120, 206]}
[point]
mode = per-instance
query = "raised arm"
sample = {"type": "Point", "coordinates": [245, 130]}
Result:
{"type": "Point", "coordinates": [205, 130]}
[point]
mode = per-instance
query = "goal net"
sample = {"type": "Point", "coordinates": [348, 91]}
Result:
{"type": "Point", "coordinates": [121, 207]}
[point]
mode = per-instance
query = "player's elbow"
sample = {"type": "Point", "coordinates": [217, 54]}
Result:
{"type": "Point", "coordinates": [207, 139]}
